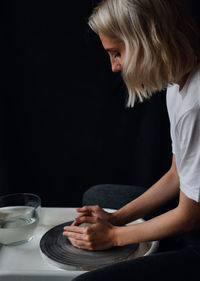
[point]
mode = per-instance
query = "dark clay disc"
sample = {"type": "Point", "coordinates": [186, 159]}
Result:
{"type": "Point", "coordinates": [60, 252]}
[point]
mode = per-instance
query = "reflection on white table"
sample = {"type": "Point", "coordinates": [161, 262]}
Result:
{"type": "Point", "coordinates": [25, 262]}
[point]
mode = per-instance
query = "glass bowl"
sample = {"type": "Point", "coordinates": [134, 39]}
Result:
{"type": "Point", "coordinates": [19, 217]}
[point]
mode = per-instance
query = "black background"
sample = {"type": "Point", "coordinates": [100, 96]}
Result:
{"type": "Point", "coordinates": [64, 121]}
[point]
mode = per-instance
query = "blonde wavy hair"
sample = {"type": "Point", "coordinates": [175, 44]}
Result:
{"type": "Point", "coordinates": [160, 38]}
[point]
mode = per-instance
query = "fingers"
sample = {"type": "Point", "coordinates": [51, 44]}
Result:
{"type": "Point", "coordinates": [80, 229]}
{"type": "Point", "coordinates": [83, 212]}
{"type": "Point", "coordinates": [74, 223]}
{"type": "Point", "coordinates": [75, 236]}
{"type": "Point", "coordinates": [81, 244]}
{"type": "Point", "coordinates": [84, 209]}
{"type": "Point", "coordinates": [86, 219]}
{"type": "Point", "coordinates": [83, 215]}
{"type": "Point", "coordinates": [88, 209]}
{"type": "Point", "coordinates": [78, 236]}
{"type": "Point", "coordinates": [76, 220]}
{"type": "Point", "coordinates": [76, 229]}
{"type": "Point", "coordinates": [93, 237]}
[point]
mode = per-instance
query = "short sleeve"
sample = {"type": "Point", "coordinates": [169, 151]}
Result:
{"type": "Point", "coordinates": [188, 134]}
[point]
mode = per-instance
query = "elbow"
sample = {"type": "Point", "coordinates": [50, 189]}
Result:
{"type": "Point", "coordinates": [188, 222]}
{"type": "Point", "coordinates": [191, 224]}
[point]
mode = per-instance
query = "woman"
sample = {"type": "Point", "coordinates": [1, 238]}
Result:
{"type": "Point", "coordinates": [155, 46]}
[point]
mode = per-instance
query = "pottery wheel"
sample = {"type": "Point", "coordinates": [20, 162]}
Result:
{"type": "Point", "coordinates": [60, 252]}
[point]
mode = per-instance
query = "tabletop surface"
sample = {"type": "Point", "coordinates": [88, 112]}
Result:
{"type": "Point", "coordinates": [26, 258]}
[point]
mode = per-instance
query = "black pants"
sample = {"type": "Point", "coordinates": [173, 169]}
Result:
{"type": "Point", "coordinates": [179, 265]}
{"type": "Point", "coordinates": [179, 261]}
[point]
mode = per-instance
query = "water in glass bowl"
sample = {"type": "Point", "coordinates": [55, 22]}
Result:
{"type": "Point", "coordinates": [17, 224]}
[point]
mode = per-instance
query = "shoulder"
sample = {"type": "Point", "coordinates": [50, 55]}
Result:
{"type": "Point", "coordinates": [190, 119]}
{"type": "Point", "coordinates": [191, 91]}
{"type": "Point", "coordinates": [190, 95]}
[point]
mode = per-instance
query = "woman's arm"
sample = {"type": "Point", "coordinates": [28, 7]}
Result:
{"type": "Point", "coordinates": [160, 193]}
{"type": "Point", "coordinates": [185, 217]}
{"type": "Point", "coordinates": [102, 235]}
{"type": "Point", "coordinates": [156, 196]}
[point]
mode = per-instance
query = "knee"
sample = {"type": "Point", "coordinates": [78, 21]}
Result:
{"type": "Point", "coordinates": [94, 190]}
{"type": "Point", "coordinates": [93, 195]}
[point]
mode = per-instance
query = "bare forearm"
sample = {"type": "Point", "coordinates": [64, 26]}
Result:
{"type": "Point", "coordinates": [185, 217]}
{"type": "Point", "coordinates": [103, 235]}
{"type": "Point", "coordinates": [165, 225]}
{"type": "Point", "coordinates": [159, 194]}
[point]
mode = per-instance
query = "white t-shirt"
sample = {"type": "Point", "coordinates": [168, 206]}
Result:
{"type": "Point", "coordinates": [184, 114]}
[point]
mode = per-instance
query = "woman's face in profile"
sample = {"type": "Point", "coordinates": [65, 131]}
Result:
{"type": "Point", "coordinates": [116, 51]}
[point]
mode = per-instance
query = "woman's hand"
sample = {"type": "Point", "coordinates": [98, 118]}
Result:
{"type": "Point", "coordinates": [94, 212]}
{"type": "Point", "coordinates": [100, 235]}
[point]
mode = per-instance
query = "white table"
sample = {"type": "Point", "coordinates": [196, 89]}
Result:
{"type": "Point", "coordinates": [25, 263]}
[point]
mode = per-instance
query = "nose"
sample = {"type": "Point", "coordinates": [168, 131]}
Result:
{"type": "Point", "coordinates": [116, 66]}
